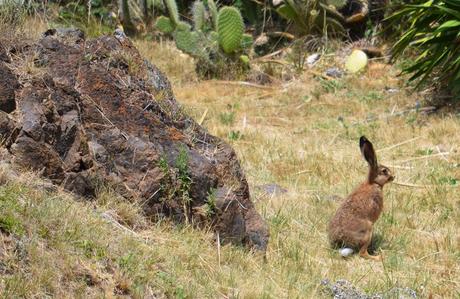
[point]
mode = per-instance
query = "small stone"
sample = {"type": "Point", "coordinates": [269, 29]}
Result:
{"type": "Point", "coordinates": [400, 293]}
{"type": "Point", "coordinates": [119, 34]}
{"type": "Point", "coordinates": [391, 89]}
{"type": "Point", "coordinates": [343, 289]}
{"type": "Point", "coordinates": [334, 72]}
{"type": "Point", "coordinates": [313, 59]}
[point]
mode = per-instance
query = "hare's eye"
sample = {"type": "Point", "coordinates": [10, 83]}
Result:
{"type": "Point", "coordinates": [385, 172]}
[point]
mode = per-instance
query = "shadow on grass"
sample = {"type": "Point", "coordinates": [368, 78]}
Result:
{"type": "Point", "coordinates": [377, 242]}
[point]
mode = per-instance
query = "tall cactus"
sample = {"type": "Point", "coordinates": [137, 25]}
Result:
{"type": "Point", "coordinates": [198, 13]}
{"type": "Point", "coordinates": [125, 17]}
{"type": "Point", "coordinates": [213, 12]}
{"type": "Point", "coordinates": [172, 10]}
{"type": "Point", "coordinates": [230, 28]}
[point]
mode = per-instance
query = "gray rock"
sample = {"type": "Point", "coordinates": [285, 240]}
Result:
{"type": "Point", "coordinates": [334, 72]}
{"type": "Point", "coordinates": [343, 289]}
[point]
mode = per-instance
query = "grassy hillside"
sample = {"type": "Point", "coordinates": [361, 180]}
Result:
{"type": "Point", "coordinates": [303, 136]}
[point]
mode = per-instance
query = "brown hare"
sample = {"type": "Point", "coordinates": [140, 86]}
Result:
{"type": "Point", "coordinates": [351, 226]}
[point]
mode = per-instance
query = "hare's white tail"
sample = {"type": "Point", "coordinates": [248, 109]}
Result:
{"type": "Point", "coordinates": [346, 252]}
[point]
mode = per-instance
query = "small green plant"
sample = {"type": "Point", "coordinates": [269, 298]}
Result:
{"type": "Point", "coordinates": [210, 205]}
{"type": "Point", "coordinates": [424, 152]}
{"type": "Point", "coordinates": [11, 225]}
{"type": "Point", "coordinates": [234, 135]}
{"type": "Point", "coordinates": [184, 181]}
{"type": "Point", "coordinates": [331, 86]}
{"type": "Point", "coordinates": [372, 96]}
{"type": "Point", "coordinates": [227, 118]}
{"type": "Point", "coordinates": [127, 262]}
{"type": "Point", "coordinates": [448, 181]}
{"type": "Point", "coordinates": [90, 249]}
{"type": "Point", "coordinates": [163, 164]}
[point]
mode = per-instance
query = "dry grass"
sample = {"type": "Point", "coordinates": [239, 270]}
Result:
{"type": "Point", "coordinates": [178, 66]}
{"type": "Point", "coordinates": [302, 136]}
{"type": "Point", "coordinates": [16, 24]}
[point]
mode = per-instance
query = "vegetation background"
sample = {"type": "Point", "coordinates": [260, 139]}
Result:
{"type": "Point", "coordinates": [293, 122]}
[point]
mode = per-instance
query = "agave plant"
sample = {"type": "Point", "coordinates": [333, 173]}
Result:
{"type": "Point", "coordinates": [434, 32]}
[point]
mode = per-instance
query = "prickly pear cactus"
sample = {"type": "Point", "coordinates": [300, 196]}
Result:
{"type": "Point", "coordinates": [213, 12]}
{"type": "Point", "coordinates": [198, 13]}
{"type": "Point", "coordinates": [230, 28]}
{"type": "Point", "coordinates": [164, 24]}
{"type": "Point", "coordinates": [183, 26]}
{"type": "Point", "coordinates": [172, 10]}
{"type": "Point", "coordinates": [338, 4]}
{"type": "Point", "coordinates": [187, 41]}
{"type": "Point", "coordinates": [213, 38]}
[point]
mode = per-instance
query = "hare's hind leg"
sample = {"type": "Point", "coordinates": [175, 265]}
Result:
{"type": "Point", "coordinates": [366, 241]}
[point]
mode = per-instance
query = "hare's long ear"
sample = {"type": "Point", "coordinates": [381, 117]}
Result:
{"type": "Point", "coordinates": [369, 154]}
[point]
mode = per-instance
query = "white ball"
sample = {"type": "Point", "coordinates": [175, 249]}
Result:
{"type": "Point", "coordinates": [346, 252]}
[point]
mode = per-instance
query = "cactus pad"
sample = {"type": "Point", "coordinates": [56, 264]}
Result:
{"type": "Point", "coordinates": [187, 41]}
{"type": "Point", "coordinates": [164, 24]}
{"type": "Point", "coordinates": [213, 12]}
{"type": "Point", "coordinates": [173, 12]}
{"type": "Point", "coordinates": [199, 17]}
{"type": "Point", "coordinates": [230, 27]}
{"type": "Point", "coordinates": [183, 26]}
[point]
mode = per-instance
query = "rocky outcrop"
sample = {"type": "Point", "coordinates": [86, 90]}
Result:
{"type": "Point", "coordinates": [90, 111]}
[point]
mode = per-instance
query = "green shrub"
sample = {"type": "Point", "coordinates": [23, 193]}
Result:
{"type": "Point", "coordinates": [434, 32]}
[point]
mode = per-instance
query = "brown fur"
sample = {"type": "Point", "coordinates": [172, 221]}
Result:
{"type": "Point", "coordinates": [352, 224]}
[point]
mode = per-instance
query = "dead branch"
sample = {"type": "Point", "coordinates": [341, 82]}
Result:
{"type": "Point", "coordinates": [243, 83]}
{"type": "Point", "coordinates": [399, 144]}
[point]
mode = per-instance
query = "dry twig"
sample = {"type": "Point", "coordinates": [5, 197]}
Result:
{"type": "Point", "coordinates": [398, 144]}
{"type": "Point", "coordinates": [244, 83]}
